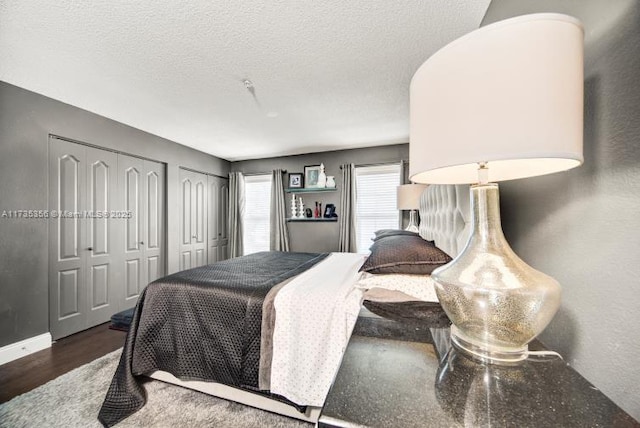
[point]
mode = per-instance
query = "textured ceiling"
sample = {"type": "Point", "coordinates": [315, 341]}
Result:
{"type": "Point", "coordinates": [327, 74]}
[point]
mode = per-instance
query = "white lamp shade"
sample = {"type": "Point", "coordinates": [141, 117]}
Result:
{"type": "Point", "coordinates": [409, 196]}
{"type": "Point", "coordinates": [509, 94]}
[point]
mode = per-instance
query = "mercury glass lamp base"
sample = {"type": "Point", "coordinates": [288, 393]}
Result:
{"type": "Point", "coordinates": [488, 354]}
{"type": "Point", "coordinates": [413, 225]}
{"type": "Point", "coordinates": [495, 301]}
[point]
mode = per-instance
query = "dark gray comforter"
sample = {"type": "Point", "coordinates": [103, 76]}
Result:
{"type": "Point", "coordinates": [200, 324]}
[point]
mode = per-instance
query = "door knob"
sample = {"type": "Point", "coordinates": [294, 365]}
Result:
{"type": "Point", "coordinates": [194, 237]}
{"type": "Point", "coordinates": [90, 249]}
{"type": "Point", "coordinates": [141, 242]}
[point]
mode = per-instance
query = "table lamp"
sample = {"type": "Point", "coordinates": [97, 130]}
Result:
{"type": "Point", "coordinates": [409, 199]}
{"type": "Point", "coordinates": [500, 103]}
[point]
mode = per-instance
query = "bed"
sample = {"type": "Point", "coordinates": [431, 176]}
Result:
{"type": "Point", "coordinates": [175, 334]}
{"type": "Point", "coordinates": [205, 329]}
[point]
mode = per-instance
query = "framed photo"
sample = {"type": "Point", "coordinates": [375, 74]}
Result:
{"type": "Point", "coordinates": [330, 211]}
{"type": "Point", "coordinates": [296, 180]}
{"type": "Point", "coordinates": [311, 173]}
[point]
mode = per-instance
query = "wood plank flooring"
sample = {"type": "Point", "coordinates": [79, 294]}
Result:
{"type": "Point", "coordinates": [25, 374]}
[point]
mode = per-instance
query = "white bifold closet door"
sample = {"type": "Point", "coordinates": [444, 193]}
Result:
{"type": "Point", "coordinates": [88, 249]}
{"type": "Point", "coordinates": [193, 219]}
{"type": "Point", "coordinates": [140, 185]}
{"type": "Point", "coordinates": [218, 218]}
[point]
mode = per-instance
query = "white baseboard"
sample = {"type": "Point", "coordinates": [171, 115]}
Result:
{"type": "Point", "coordinates": [24, 347]}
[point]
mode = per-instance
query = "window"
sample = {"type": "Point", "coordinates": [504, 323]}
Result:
{"type": "Point", "coordinates": [257, 208]}
{"type": "Point", "coordinates": [376, 188]}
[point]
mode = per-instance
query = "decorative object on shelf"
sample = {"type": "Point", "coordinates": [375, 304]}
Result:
{"type": "Point", "coordinates": [293, 205]}
{"type": "Point", "coordinates": [322, 178]}
{"type": "Point", "coordinates": [300, 208]}
{"type": "Point", "coordinates": [514, 111]}
{"type": "Point", "coordinates": [308, 213]}
{"type": "Point", "coordinates": [296, 180]}
{"type": "Point", "coordinates": [330, 211]}
{"type": "Point", "coordinates": [311, 175]}
{"type": "Point", "coordinates": [408, 198]}
{"type": "Point", "coordinates": [331, 182]}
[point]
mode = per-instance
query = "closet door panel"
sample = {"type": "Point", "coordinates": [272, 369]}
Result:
{"type": "Point", "coordinates": [131, 187]}
{"type": "Point", "coordinates": [200, 212]}
{"type": "Point", "coordinates": [185, 219]}
{"type": "Point", "coordinates": [132, 197]}
{"type": "Point", "coordinates": [199, 239]}
{"type": "Point", "coordinates": [101, 260]}
{"type": "Point", "coordinates": [214, 221]}
{"type": "Point", "coordinates": [153, 242]}
{"type": "Point", "coordinates": [193, 219]}
{"type": "Point", "coordinates": [67, 241]}
{"type": "Point", "coordinates": [218, 214]}
{"type": "Point", "coordinates": [68, 288]}
{"type": "Point", "coordinates": [223, 219]}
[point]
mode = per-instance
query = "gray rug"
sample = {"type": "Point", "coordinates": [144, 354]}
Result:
{"type": "Point", "coordinates": [73, 400]}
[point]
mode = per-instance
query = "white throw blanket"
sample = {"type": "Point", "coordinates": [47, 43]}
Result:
{"type": "Point", "coordinates": [315, 315]}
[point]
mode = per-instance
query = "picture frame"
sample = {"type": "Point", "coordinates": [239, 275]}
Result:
{"type": "Point", "coordinates": [296, 180]}
{"type": "Point", "coordinates": [311, 174]}
{"type": "Point", "coordinates": [330, 211]}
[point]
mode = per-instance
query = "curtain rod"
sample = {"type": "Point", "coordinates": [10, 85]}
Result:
{"type": "Point", "coordinates": [364, 165]}
{"type": "Point", "coordinates": [249, 174]}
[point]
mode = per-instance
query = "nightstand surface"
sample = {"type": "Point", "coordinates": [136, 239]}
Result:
{"type": "Point", "coordinates": [405, 383]}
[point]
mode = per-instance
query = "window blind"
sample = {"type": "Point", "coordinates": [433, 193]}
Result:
{"type": "Point", "coordinates": [376, 188]}
{"type": "Point", "coordinates": [257, 209]}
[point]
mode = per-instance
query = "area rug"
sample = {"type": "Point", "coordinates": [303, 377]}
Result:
{"type": "Point", "coordinates": [74, 399]}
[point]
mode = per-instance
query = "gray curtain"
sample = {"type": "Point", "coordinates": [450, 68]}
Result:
{"type": "Point", "coordinates": [279, 235]}
{"type": "Point", "coordinates": [236, 209]}
{"type": "Point", "coordinates": [404, 179]}
{"type": "Point", "coordinates": [347, 210]}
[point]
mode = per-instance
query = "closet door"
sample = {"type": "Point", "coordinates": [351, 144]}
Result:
{"type": "Point", "coordinates": [199, 220]}
{"type": "Point", "coordinates": [214, 219]}
{"type": "Point", "coordinates": [218, 215]}
{"type": "Point", "coordinates": [83, 253]}
{"type": "Point", "coordinates": [67, 241]}
{"type": "Point", "coordinates": [141, 189]}
{"type": "Point", "coordinates": [193, 219]}
{"type": "Point", "coordinates": [223, 219]}
{"type": "Point", "coordinates": [99, 258]}
{"type": "Point", "coordinates": [153, 226]}
{"type": "Point", "coordinates": [131, 185]}
{"type": "Point", "coordinates": [101, 255]}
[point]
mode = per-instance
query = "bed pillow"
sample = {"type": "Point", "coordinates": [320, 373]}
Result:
{"type": "Point", "coordinates": [404, 254]}
{"type": "Point", "coordinates": [397, 287]}
{"type": "Point", "coordinates": [383, 233]}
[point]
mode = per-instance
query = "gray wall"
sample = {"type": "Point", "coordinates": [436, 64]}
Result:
{"type": "Point", "coordinates": [26, 120]}
{"type": "Point", "coordinates": [321, 236]}
{"type": "Point", "coordinates": [583, 226]}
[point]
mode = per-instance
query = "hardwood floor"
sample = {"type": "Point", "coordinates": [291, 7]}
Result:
{"type": "Point", "coordinates": [25, 374]}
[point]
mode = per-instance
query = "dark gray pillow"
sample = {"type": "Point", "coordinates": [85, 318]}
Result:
{"type": "Point", "coordinates": [404, 254]}
{"type": "Point", "coordinates": [383, 233]}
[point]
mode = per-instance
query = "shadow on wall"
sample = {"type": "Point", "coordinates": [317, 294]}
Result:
{"type": "Point", "coordinates": [582, 226]}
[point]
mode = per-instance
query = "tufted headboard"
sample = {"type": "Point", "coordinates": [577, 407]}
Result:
{"type": "Point", "coordinates": [445, 216]}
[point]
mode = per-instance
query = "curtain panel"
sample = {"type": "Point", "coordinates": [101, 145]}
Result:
{"type": "Point", "coordinates": [279, 234]}
{"type": "Point", "coordinates": [236, 209]}
{"type": "Point", "coordinates": [404, 179]}
{"type": "Point", "coordinates": [347, 218]}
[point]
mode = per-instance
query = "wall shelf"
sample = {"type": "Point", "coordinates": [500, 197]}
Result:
{"type": "Point", "coordinates": [312, 219]}
{"type": "Point", "coordinates": [311, 190]}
